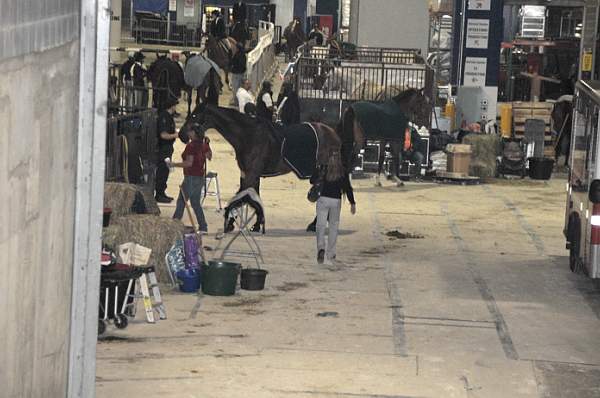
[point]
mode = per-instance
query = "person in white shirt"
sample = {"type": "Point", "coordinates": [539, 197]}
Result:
{"type": "Point", "coordinates": [244, 96]}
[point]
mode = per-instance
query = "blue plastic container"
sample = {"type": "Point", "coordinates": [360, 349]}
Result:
{"type": "Point", "coordinates": [189, 280]}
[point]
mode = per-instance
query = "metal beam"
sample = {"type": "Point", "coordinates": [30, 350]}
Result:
{"type": "Point", "coordinates": [93, 89]}
{"type": "Point", "coordinates": [551, 3]}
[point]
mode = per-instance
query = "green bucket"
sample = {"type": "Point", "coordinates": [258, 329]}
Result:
{"type": "Point", "coordinates": [219, 278]}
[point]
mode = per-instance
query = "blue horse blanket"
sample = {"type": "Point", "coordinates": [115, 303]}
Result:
{"type": "Point", "coordinates": [299, 149]}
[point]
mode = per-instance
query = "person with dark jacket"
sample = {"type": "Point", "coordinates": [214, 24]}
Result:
{"type": "Point", "coordinates": [264, 102]}
{"type": "Point", "coordinates": [238, 70]}
{"type": "Point", "coordinates": [139, 74]}
{"type": "Point", "coordinates": [288, 105]}
{"type": "Point", "coordinates": [334, 181]}
{"type": "Point", "coordinates": [240, 12]}
{"type": "Point", "coordinates": [217, 26]}
{"type": "Point", "coordinates": [166, 139]}
{"type": "Point", "coordinates": [412, 149]}
{"type": "Point", "coordinates": [316, 35]}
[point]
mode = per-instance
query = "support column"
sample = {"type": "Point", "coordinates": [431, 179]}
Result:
{"type": "Point", "coordinates": [588, 64]}
{"type": "Point", "coordinates": [115, 28]}
{"type": "Point", "coordinates": [478, 29]}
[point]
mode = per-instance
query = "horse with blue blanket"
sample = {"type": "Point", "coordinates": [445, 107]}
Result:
{"type": "Point", "coordinates": [263, 150]}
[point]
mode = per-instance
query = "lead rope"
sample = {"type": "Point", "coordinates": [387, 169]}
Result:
{"type": "Point", "coordinates": [125, 154]}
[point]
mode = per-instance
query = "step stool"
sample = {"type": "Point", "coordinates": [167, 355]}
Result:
{"type": "Point", "coordinates": [211, 177]}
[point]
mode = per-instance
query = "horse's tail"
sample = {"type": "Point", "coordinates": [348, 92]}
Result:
{"type": "Point", "coordinates": [345, 130]}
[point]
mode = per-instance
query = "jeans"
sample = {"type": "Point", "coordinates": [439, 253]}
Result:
{"type": "Point", "coordinates": [328, 207]}
{"type": "Point", "coordinates": [236, 83]}
{"type": "Point", "coordinates": [192, 186]}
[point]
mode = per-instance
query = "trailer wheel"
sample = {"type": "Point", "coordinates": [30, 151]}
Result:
{"type": "Point", "coordinates": [121, 321]}
{"type": "Point", "coordinates": [101, 327]}
{"type": "Point", "coordinates": [575, 241]}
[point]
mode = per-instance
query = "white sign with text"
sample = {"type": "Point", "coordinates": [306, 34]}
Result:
{"type": "Point", "coordinates": [475, 72]}
{"type": "Point", "coordinates": [480, 5]}
{"type": "Point", "coordinates": [478, 33]}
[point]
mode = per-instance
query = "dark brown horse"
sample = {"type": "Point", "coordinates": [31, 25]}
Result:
{"type": "Point", "coordinates": [222, 52]}
{"type": "Point", "coordinates": [412, 104]}
{"type": "Point", "coordinates": [256, 144]}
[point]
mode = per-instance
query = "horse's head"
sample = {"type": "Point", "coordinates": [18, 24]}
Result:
{"type": "Point", "coordinates": [197, 120]}
{"type": "Point", "coordinates": [416, 105]}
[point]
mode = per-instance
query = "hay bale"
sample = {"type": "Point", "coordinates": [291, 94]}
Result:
{"type": "Point", "coordinates": [125, 199]}
{"type": "Point", "coordinates": [156, 233]}
{"type": "Point", "coordinates": [485, 148]}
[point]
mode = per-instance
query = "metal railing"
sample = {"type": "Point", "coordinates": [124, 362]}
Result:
{"type": "Point", "coordinates": [131, 146]}
{"type": "Point", "coordinates": [366, 82]}
{"type": "Point", "coordinates": [326, 87]}
{"type": "Point", "coordinates": [261, 60]}
{"type": "Point", "coordinates": [396, 56]}
{"type": "Point", "coordinates": [124, 98]}
{"type": "Point", "coordinates": [166, 32]}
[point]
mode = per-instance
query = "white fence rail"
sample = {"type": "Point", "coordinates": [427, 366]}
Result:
{"type": "Point", "coordinates": [261, 60]}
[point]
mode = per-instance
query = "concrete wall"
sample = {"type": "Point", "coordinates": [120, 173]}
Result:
{"type": "Point", "coordinates": [284, 12]}
{"type": "Point", "coordinates": [390, 23]}
{"type": "Point", "coordinates": [39, 96]}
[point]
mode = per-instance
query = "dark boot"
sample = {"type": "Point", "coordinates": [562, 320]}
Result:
{"type": "Point", "coordinates": [321, 256]}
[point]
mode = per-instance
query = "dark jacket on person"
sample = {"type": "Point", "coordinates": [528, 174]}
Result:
{"type": "Point", "coordinates": [261, 108]}
{"type": "Point", "coordinates": [217, 28]}
{"type": "Point", "coordinates": [333, 189]}
{"type": "Point", "coordinates": [290, 113]}
{"type": "Point", "coordinates": [240, 12]}
{"type": "Point", "coordinates": [317, 36]}
{"type": "Point", "coordinates": [239, 61]}
{"type": "Point", "coordinates": [125, 70]}
{"type": "Point", "coordinates": [139, 75]}
{"type": "Point", "coordinates": [166, 123]}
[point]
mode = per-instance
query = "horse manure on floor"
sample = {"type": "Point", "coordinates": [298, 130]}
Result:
{"type": "Point", "coordinates": [328, 314]}
{"type": "Point", "coordinates": [395, 234]}
{"type": "Point", "coordinates": [289, 286]}
{"type": "Point", "coordinates": [245, 301]}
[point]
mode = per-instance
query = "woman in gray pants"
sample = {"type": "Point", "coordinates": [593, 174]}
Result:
{"type": "Point", "coordinates": [335, 182]}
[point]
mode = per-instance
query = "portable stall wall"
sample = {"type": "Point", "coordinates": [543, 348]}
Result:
{"type": "Point", "coordinates": [52, 103]}
{"type": "Point", "coordinates": [390, 23]}
{"type": "Point", "coordinates": [284, 12]}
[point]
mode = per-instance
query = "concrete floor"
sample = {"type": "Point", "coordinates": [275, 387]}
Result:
{"type": "Point", "coordinates": [484, 305]}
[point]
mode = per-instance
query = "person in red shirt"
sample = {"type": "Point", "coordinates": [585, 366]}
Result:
{"type": "Point", "coordinates": [195, 155]}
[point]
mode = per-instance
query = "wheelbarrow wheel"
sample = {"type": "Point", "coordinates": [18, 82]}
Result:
{"type": "Point", "coordinates": [121, 321]}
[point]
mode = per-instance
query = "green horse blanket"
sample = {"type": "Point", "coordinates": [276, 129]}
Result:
{"type": "Point", "coordinates": [381, 121]}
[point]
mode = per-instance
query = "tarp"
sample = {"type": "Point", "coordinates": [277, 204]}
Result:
{"type": "Point", "coordinates": [156, 6]}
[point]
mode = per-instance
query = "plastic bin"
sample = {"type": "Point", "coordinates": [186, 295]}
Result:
{"type": "Point", "coordinates": [219, 278]}
{"type": "Point", "coordinates": [540, 168]}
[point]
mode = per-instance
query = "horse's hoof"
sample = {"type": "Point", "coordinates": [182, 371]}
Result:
{"type": "Point", "coordinates": [399, 184]}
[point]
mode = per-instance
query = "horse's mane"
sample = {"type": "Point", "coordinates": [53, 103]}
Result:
{"type": "Point", "coordinates": [241, 119]}
{"type": "Point", "coordinates": [405, 95]}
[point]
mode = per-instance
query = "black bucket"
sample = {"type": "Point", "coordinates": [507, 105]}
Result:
{"type": "Point", "coordinates": [106, 217]}
{"type": "Point", "coordinates": [253, 279]}
{"type": "Point", "coordinates": [540, 168]}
